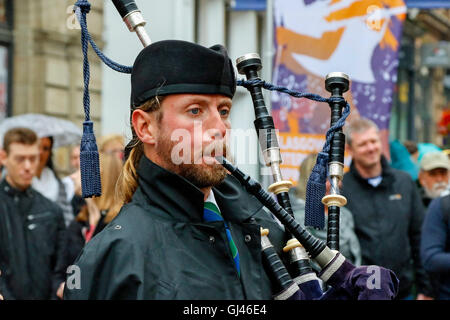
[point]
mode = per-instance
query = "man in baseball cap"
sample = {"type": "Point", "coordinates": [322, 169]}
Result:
{"type": "Point", "coordinates": [433, 175]}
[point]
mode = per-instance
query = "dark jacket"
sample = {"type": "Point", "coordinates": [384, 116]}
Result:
{"type": "Point", "coordinates": [425, 199]}
{"type": "Point", "coordinates": [388, 220]}
{"type": "Point", "coordinates": [76, 238]}
{"type": "Point", "coordinates": [32, 244]}
{"type": "Point", "coordinates": [435, 246]}
{"type": "Point", "coordinates": [158, 247]}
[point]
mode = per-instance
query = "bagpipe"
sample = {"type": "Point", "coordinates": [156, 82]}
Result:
{"type": "Point", "coordinates": [297, 281]}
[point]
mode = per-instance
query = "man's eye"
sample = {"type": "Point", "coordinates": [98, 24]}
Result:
{"type": "Point", "coordinates": [224, 112]}
{"type": "Point", "coordinates": [194, 110]}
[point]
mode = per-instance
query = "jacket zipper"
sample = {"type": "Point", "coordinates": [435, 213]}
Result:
{"type": "Point", "coordinates": [38, 216]}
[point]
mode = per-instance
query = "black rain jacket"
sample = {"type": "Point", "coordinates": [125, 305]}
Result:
{"type": "Point", "coordinates": [388, 220]}
{"type": "Point", "coordinates": [158, 247]}
{"type": "Point", "coordinates": [32, 245]}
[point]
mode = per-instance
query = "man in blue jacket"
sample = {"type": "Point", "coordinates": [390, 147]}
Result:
{"type": "Point", "coordinates": [435, 246]}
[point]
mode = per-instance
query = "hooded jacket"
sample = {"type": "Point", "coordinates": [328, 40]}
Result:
{"type": "Point", "coordinates": [388, 220]}
{"type": "Point", "coordinates": [158, 246]}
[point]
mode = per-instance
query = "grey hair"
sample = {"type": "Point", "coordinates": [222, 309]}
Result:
{"type": "Point", "coordinates": [357, 126]}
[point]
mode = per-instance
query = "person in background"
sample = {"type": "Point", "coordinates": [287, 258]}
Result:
{"type": "Point", "coordinates": [98, 211]}
{"type": "Point", "coordinates": [72, 182]}
{"type": "Point", "coordinates": [47, 182]}
{"type": "Point", "coordinates": [387, 209]}
{"type": "Point", "coordinates": [112, 143]}
{"type": "Point", "coordinates": [433, 175]}
{"type": "Point", "coordinates": [401, 159]}
{"type": "Point", "coordinates": [435, 246]}
{"type": "Point", "coordinates": [413, 149]}
{"type": "Point", "coordinates": [75, 158]}
{"type": "Point", "coordinates": [349, 243]}
{"type": "Point", "coordinates": [32, 230]}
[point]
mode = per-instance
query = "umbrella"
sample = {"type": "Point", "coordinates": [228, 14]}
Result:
{"type": "Point", "coordinates": [63, 131]}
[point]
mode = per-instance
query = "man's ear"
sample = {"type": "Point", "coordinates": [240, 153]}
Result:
{"type": "Point", "coordinates": [145, 126]}
{"type": "Point", "coordinates": [3, 156]}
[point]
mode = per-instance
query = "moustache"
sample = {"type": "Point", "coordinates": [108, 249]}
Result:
{"type": "Point", "coordinates": [440, 186]}
{"type": "Point", "coordinates": [211, 151]}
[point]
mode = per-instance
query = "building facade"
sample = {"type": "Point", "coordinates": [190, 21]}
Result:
{"type": "Point", "coordinates": [41, 53]}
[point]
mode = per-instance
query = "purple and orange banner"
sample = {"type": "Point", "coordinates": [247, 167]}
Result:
{"type": "Point", "coordinates": [315, 37]}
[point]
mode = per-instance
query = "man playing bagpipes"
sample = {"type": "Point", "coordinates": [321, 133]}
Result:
{"type": "Point", "coordinates": [188, 229]}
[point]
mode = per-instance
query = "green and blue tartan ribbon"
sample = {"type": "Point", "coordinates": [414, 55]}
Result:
{"type": "Point", "coordinates": [212, 213]}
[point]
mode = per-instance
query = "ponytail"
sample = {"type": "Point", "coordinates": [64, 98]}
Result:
{"type": "Point", "coordinates": [128, 179]}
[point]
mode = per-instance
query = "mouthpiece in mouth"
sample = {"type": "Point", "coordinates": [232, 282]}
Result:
{"type": "Point", "coordinates": [220, 159]}
{"type": "Point", "coordinates": [224, 162]}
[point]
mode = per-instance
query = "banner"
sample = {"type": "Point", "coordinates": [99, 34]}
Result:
{"type": "Point", "coordinates": [261, 4]}
{"type": "Point", "coordinates": [258, 5]}
{"type": "Point", "coordinates": [315, 37]}
{"type": "Point", "coordinates": [428, 4]}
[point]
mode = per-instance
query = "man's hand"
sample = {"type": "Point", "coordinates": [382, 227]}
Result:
{"type": "Point", "coordinates": [60, 291]}
{"type": "Point", "coordinates": [421, 296]}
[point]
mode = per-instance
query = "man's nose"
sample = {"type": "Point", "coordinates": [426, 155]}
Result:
{"type": "Point", "coordinates": [27, 164]}
{"type": "Point", "coordinates": [217, 126]}
{"type": "Point", "coordinates": [442, 177]}
{"type": "Point", "coordinates": [371, 146]}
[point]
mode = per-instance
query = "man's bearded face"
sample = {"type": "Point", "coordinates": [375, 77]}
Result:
{"type": "Point", "coordinates": [199, 171]}
{"type": "Point", "coordinates": [192, 131]}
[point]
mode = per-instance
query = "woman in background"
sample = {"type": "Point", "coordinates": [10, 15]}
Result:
{"type": "Point", "coordinates": [98, 211]}
{"type": "Point", "coordinates": [348, 242]}
{"type": "Point", "coordinates": [47, 181]}
{"type": "Point", "coordinates": [112, 144]}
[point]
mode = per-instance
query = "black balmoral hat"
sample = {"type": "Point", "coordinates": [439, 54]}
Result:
{"type": "Point", "coordinates": [175, 66]}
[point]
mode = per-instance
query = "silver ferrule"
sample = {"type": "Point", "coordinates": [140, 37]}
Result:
{"type": "Point", "coordinates": [134, 19]}
{"type": "Point", "coordinates": [337, 74]}
{"type": "Point", "coordinates": [143, 36]}
{"type": "Point", "coordinates": [265, 242]}
{"type": "Point", "coordinates": [297, 254]}
{"type": "Point", "coordinates": [336, 169]}
{"type": "Point", "coordinates": [276, 172]}
{"type": "Point", "coordinates": [247, 56]}
{"type": "Point", "coordinates": [325, 257]}
{"type": "Point", "coordinates": [272, 155]}
{"type": "Point", "coordinates": [334, 185]}
{"type": "Point", "coordinates": [135, 22]}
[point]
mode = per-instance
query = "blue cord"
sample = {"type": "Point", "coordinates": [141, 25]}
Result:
{"type": "Point", "coordinates": [85, 6]}
{"type": "Point", "coordinates": [89, 157]}
{"type": "Point", "coordinates": [329, 135]}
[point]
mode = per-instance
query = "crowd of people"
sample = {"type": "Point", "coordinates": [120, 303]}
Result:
{"type": "Point", "coordinates": [150, 234]}
{"type": "Point", "coordinates": [45, 222]}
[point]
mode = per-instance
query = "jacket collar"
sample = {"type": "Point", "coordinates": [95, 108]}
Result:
{"type": "Point", "coordinates": [386, 173]}
{"type": "Point", "coordinates": [183, 201]}
{"type": "Point", "coordinates": [11, 191]}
